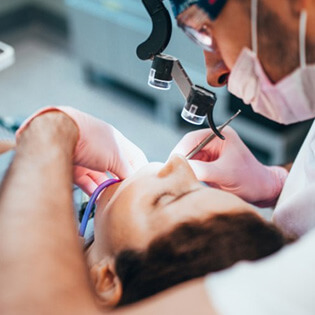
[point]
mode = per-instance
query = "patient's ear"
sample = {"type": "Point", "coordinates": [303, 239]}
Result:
{"type": "Point", "coordinates": [106, 283]}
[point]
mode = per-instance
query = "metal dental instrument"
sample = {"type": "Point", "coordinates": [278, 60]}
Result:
{"type": "Point", "coordinates": [212, 135]}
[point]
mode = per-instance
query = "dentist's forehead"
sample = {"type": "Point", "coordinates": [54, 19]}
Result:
{"type": "Point", "coordinates": [212, 7]}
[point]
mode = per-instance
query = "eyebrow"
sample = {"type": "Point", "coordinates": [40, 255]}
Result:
{"type": "Point", "coordinates": [195, 15]}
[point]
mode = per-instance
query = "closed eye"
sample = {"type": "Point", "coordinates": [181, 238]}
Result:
{"type": "Point", "coordinates": [175, 198]}
{"type": "Point", "coordinates": [160, 196]}
{"type": "Point", "coordinates": [180, 196]}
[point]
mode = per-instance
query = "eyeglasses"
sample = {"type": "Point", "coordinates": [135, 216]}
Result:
{"type": "Point", "coordinates": [202, 37]}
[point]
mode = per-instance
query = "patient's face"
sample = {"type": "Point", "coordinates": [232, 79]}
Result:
{"type": "Point", "coordinates": [152, 202]}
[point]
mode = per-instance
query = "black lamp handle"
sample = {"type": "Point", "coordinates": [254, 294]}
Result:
{"type": "Point", "coordinates": [161, 30]}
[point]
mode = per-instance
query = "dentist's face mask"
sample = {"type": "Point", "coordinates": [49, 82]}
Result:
{"type": "Point", "coordinates": [290, 100]}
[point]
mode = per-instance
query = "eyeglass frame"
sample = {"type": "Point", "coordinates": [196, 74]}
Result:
{"type": "Point", "coordinates": [194, 35]}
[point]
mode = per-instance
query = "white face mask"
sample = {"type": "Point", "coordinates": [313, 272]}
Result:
{"type": "Point", "coordinates": [290, 100]}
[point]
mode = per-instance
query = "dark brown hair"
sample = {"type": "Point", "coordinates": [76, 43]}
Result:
{"type": "Point", "coordinates": [193, 250]}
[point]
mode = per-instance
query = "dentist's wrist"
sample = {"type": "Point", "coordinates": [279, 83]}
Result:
{"type": "Point", "coordinates": [278, 176]}
{"type": "Point", "coordinates": [52, 130]}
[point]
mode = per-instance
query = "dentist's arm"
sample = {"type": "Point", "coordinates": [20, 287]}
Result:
{"type": "Point", "coordinates": [100, 148]}
{"type": "Point", "coordinates": [41, 263]}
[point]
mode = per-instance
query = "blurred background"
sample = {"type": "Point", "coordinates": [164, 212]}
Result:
{"type": "Point", "coordinates": [82, 53]}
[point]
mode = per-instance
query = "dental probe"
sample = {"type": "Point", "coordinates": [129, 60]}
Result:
{"type": "Point", "coordinates": [212, 135]}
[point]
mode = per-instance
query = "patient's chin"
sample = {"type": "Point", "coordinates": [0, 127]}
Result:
{"type": "Point", "coordinates": [106, 196]}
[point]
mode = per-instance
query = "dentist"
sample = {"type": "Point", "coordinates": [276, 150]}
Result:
{"type": "Point", "coordinates": [265, 52]}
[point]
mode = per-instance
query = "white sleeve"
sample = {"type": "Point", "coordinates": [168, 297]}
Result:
{"type": "Point", "coordinates": [281, 284]}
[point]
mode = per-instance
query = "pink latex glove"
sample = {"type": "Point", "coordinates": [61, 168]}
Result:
{"type": "Point", "coordinates": [100, 148]}
{"type": "Point", "coordinates": [230, 166]}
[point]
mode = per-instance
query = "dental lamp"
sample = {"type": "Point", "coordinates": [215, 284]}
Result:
{"type": "Point", "coordinates": [7, 56]}
{"type": "Point", "coordinates": [199, 101]}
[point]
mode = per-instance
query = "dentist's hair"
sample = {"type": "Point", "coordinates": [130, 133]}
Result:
{"type": "Point", "coordinates": [195, 249]}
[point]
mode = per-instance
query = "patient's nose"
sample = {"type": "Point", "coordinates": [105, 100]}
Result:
{"type": "Point", "coordinates": [177, 166]}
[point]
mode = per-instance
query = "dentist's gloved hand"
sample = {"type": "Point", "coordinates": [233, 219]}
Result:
{"type": "Point", "coordinates": [100, 148]}
{"type": "Point", "coordinates": [230, 166]}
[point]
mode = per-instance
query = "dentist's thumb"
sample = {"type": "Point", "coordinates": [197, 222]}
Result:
{"type": "Point", "coordinates": [208, 172]}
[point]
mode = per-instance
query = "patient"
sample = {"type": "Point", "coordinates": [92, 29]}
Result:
{"type": "Point", "coordinates": [161, 227]}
